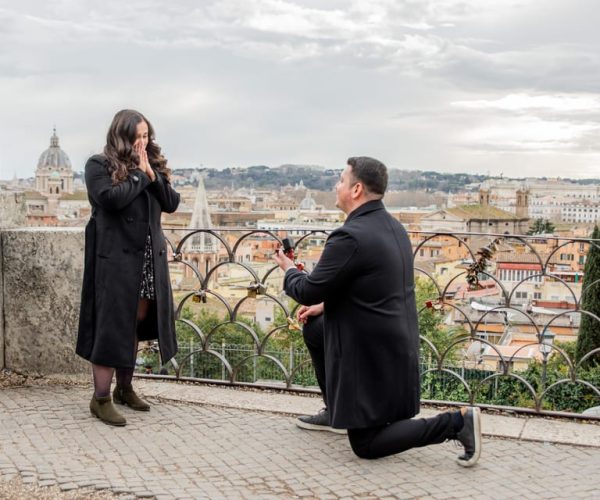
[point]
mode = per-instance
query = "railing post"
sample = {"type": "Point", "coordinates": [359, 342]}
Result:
{"type": "Point", "coordinates": [291, 360]}
{"type": "Point", "coordinates": [191, 357]}
{"type": "Point", "coordinates": [223, 354]}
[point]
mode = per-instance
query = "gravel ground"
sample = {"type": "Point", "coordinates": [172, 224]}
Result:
{"type": "Point", "coordinates": [9, 378]}
{"type": "Point", "coordinates": [16, 490]}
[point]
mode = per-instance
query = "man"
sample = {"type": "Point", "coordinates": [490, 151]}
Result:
{"type": "Point", "coordinates": [364, 281]}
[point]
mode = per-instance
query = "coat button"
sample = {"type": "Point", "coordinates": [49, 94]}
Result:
{"type": "Point", "coordinates": [135, 178]}
{"type": "Point", "coordinates": [129, 219]}
{"type": "Point", "coordinates": [161, 252]}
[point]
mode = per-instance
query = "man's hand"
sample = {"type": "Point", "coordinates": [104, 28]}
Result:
{"type": "Point", "coordinates": [282, 260]}
{"type": "Point", "coordinates": [304, 312]}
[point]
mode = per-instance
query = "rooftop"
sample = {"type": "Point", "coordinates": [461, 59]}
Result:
{"type": "Point", "coordinates": [76, 196]}
{"type": "Point", "coordinates": [525, 258]}
{"type": "Point", "coordinates": [35, 195]}
{"type": "Point", "coordinates": [481, 212]}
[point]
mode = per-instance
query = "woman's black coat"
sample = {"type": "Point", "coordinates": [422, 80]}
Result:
{"type": "Point", "coordinates": [365, 278]}
{"type": "Point", "coordinates": [115, 239]}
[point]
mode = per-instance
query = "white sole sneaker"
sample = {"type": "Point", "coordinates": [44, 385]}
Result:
{"type": "Point", "coordinates": [477, 433]}
{"type": "Point", "coordinates": [314, 427]}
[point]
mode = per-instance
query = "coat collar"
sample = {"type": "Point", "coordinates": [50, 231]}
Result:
{"type": "Point", "coordinates": [367, 207]}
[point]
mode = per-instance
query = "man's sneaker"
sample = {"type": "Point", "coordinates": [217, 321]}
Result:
{"type": "Point", "coordinates": [470, 437]}
{"type": "Point", "coordinates": [318, 422]}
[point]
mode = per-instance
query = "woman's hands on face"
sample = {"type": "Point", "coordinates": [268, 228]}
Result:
{"type": "Point", "coordinates": [144, 165]}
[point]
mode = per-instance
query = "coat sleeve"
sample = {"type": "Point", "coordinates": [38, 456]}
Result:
{"type": "Point", "coordinates": [329, 275]}
{"type": "Point", "coordinates": [105, 194]}
{"type": "Point", "coordinates": [165, 194]}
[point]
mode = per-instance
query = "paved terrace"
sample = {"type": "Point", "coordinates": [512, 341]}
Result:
{"type": "Point", "coordinates": [203, 441]}
{"type": "Point", "coordinates": [219, 442]}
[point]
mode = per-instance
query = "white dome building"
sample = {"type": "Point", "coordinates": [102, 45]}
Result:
{"type": "Point", "coordinates": [308, 204]}
{"type": "Point", "coordinates": [54, 175]}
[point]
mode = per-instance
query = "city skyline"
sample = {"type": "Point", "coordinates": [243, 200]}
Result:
{"type": "Point", "coordinates": [447, 85]}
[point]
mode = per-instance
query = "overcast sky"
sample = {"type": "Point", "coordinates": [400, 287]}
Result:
{"type": "Point", "coordinates": [481, 86]}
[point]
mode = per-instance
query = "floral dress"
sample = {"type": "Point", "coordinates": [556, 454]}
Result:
{"type": "Point", "coordinates": [147, 286]}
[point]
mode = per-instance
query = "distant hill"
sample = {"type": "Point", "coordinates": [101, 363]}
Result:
{"type": "Point", "coordinates": [324, 179]}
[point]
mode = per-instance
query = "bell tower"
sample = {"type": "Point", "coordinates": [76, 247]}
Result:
{"type": "Point", "coordinates": [522, 209]}
{"type": "Point", "coordinates": [484, 196]}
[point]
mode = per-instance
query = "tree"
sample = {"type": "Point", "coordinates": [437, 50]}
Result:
{"type": "Point", "coordinates": [541, 226]}
{"type": "Point", "coordinates": [431, 320]}
{"type": "Point", "coordinates": [589, 330]}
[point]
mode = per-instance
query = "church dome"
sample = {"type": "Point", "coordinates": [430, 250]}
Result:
{"type": "Point", "coordinates": [308, 203]}
{"type": "Point", "coordinates": [54, 158]}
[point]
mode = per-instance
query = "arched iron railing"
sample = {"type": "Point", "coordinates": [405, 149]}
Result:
{"type": "Point", "coordinates": [499, 315]}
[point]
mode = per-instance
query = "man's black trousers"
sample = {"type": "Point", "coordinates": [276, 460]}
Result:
{"type": "Point", "coordinates": [384, 440]}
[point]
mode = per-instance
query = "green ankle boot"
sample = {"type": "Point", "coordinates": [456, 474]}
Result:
{"type": "Point", "coordinates": [106, 411]}
{"type": "Point", "coordinates": [126, 396]}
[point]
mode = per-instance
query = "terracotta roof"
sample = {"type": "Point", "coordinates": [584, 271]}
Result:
{"type": "Point", "coordinates": [481, 212]}
{"type": "Point", "coordinates": [524, 258]}
{"type": "Point", "coordinates": [34, 195]}
{"type": "Point", "coordinates": [77, 195]}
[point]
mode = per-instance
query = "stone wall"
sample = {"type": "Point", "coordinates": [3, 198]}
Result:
{"type": "Point", "coordinates": [13, 212]}
{"type": "Point", "coordinates": [2, 363]}
{"type": "Point", "coordinates": [43, 270]}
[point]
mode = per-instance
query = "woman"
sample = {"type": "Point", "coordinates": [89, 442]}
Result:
{"type": "Point", "coordinates": [126, 295]}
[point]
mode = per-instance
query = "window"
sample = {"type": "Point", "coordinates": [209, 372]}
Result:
{"type": "Point", "coordinates": [537, 295]}
{"type": "Point", "coordinates": [521, 295]}
{"type": "Point", "coordinates": [582, 259]}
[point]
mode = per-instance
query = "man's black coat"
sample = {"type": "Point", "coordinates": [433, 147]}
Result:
{"type": "Point", "coordinates": [115, 239]}
{"type": "Point", "coordinates": [365, 278]}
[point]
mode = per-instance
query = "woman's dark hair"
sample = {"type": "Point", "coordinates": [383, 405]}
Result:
{"type": "Point", "coordinates": [371, 172]}
{"type": "Point", "coordinates": [119, 146]}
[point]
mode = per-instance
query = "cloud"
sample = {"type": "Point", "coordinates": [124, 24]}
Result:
{"type": "Point", "coordinates": [270, 29]}
{"type": "Point", "coordinates": [444, 84]}
{"type": "Point", "coordinates": [526, 102]}
{"type": "Point", "coordinates": [534, 123]}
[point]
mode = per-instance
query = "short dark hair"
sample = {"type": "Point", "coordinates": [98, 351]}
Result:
{"type": "Point", "coordinates": [371, 172]}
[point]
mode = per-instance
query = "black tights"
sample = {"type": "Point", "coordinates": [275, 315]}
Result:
{"type": "Point", "coordinates": [103, 374]}
{"type": "Point", "coordinates": [103, 377]}
{"type": "Point", "coordinates": [384, 440]}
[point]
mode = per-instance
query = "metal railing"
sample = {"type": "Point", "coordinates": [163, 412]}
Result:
{"type": "Point", "coordinates": [499, 317]}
